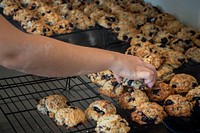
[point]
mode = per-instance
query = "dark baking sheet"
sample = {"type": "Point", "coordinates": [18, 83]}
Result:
{"type": "Point", "coordinates": [100, 37]}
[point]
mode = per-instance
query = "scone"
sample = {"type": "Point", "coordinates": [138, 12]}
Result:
{"type": "Point", "coordinates": [139, 84]}
{"type": "Point", "coordinates": [111, 123]}
{"type": "Point", "coordinates": [194, 96]}
{"type": "Point", "coordinates": [196, 39]}
{"type": "Point", "coordinates": [149, 30]}
{"type": "Point", "coordinates": [102, 77]}
{"type": "Point", "coordinates": [99, 108]}
{"type": "Point", "coordinates": [186, 33]}
{"type": "Point", "coordinates": [159, 92]}
{"type": "Point", "coordinates": [163, 18]}
{"type": "Point", "coordinates": [165, 73]}
{"type": "Point", "coordinates": [132, 98]}
{"type": "Point", "coordinates": [112, 89]}
{"type": "Point", "coordinates": [138, 39]}
{"type": "Point", "coordinates": [70, 117]}
{"type": "Point", "coordinates": [173, 27]}
{"type": "Point", "coordinates": [193, 54]}
{"type": "Point", "coordinates": [51, 104]}
{"type": "Point", "coordinates": [148, 113]}
{"type": "Point", "coordinates": [163, 37]}
{"type": "Point", "coordinates": [62, 27]}
{"type": "Point", "coordinates": [177, 105]}
{"type": "Point", "coordinates": [182, 83]}
{"type": "Point", "coordinates": [107, 20]}
{"type": "Point", "coordinates": [181, 45]}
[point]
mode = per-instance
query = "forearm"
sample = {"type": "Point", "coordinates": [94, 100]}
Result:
{"type": "Point", "coordinates": [48, 57]}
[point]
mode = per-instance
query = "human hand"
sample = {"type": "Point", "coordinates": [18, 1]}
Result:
{"type": "Point", "coordinates": [132, 67]}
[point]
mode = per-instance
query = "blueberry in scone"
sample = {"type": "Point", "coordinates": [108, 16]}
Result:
{"type": "Point", "coordinates": [99, 108]}
{"type": "Point", "coordinates": [112, 89]}
{"type": "Point", "coordinates": [70, 117]}
{"type": "Point", "coordinates": [112, 123]}
{"type": "Point", "coordinates": [182, 83]}
{"type": "Point", "coordinates": [132, 98]}
{"type": "Point", "coordinates": [178, 106]}
{"type": "Point", "coordinates": [148, 113]}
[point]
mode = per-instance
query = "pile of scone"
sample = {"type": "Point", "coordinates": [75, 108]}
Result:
{"type": "Point", "coordinates": [103, 112]}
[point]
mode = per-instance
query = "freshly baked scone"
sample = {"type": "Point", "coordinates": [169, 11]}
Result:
{"type": "Point", "coordinates": [181, 45]}
{"type": "Point", "coordinates": [132, 98]}
{"type": "Point", "coordinates": [21, 15]}
{"type": "Point", "coordinates": [89, 9]}
{"type": "Point", "coordinates": [70, 117]}
{"type": "Point", "coordinates": [163, 37]}
{"type": "Point", "coordinates": [4, 3]}
{"type": "Point", "coordinates": [40, 28]}
{"type": "Point", "coordinates": [139, 39]}
{"type": "Point", "coordinates": [173, 27]}
{"type": "Point", "coordinates": [182, 83]}
{"type": "Point", "coordinates": [112, 89]}
{"type": "Point", "coordinates": [127, 35]}
{"type": "Point", "coordinates": [135, 7]}
{"type": "Point", "coordinates": [80, 20]}
{"type": "Point", "coordinates": [196, 39]}
{"type": "Point", "coordinates": [150, 11]}
{"type": "Point", "coordinates": [148, 113]}
{"type": "Point", "coordinates": [111, 123]}
{"type": "Point", "coordinates": [194, 96]}
{"type": "Point", "coordinates": [122, 25]}
{"type": "Point", "coordinates": [95, 16]}
{"type": "Point", "coordinates": [140, 20]}
{"type": "Point", "coordinates": [10, 10]}
{"type": "Point", "coordinates": [154, 59]}
{"type": "Point", "coordinates": [177, 105]}
{"type": "Point", "coordinates": [159, 92]}
{"type": "Point", "coordinates": [186, 33]}
{"type": "Point", "coordinates": [99, 108]}
{"type": "Point", "coordinates": [102, 77]}
{"type": "Point", "coordinates": [165, 73]}
{"type": "Point", "coordinates": [62, 27]}
{"type": "Point", "coordinates": [139, 84]}
{"type": "Point", "coordinates": [51, 104]}
{"type": "Point", "coordinates": [193, 54]}
{"type": "Point", "coordinates": [107, 20]}
{"type": "Point", "coordinates": [163, 18]}
{"type": "Point", "coordinates": [63, 10]}
{"type": "Point", "coordinates": [149, 30]}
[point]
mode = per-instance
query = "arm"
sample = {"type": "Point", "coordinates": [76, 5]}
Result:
{"type": "Point", "coordinates": [45, 56]}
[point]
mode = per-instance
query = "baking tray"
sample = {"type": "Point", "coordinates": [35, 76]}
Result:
{"type": "Point", "coordinates": [100, 37]}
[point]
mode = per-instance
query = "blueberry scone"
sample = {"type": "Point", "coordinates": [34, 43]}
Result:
{"type": "Point", "coordinates": [165, 73]}
{"type": "Point", "coordinates": [148, 113]}
{"type": "Point", "coordinates": [149, 30]}
{"type": "Point", "coordinates": [112, 89]}
{"type": "Point", "coordinates": [99, 108]}
{"type": "Point", "coordinates": [107, 20]}
{"type": "Point", "coordinates": [163, 18]}
{"type": "Point", "coordinates": [62, 27]}
{"type": "Point", "coordinates": [194, 96]}
{"type": "Point", "coordinates": [111, 123]}
{"type": "Point", "coordinates": [173, 27]}
{"type": "Point", "coordinates": [132, 98]}
{"type": "Point", "coordinates": [177, 105]}
{"type": "Point", "coordinates": [139, 39]}
{"type": "Point", "coordinates": [193, 54]}
{"type": "Point", "coordinates": [196, 39]}
{"type": "Point", "coordinates": [186, 33]}
{"type": "Point", "coordinates": [139, 84]}
{"type": "Point", "coordinates": [182, 83]}
{"type": "Point", "coordinates": [181, 45]}
{"type": "Point", "coordinates": [159, 92]}
{"type": "Point", "coordinates": [163, 37]}
{"type": "Point", "coordinates": [70, 117]}
{"type": "Point", "coordinates": [51, 104]}
{"type": "Point", "coordinates": [101, 78]}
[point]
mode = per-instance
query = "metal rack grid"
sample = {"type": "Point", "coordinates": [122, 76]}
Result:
{"type": "Point", "coordinates": [19, 96]}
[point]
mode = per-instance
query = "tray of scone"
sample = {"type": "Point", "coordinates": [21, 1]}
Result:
{"type": "Point", "coordinates": [157, 37]}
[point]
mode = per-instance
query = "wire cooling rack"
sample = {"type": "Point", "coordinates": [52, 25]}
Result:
{"type": "Point", "coordinates": [19, 96]}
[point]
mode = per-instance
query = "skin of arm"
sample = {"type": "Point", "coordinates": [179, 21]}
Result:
{"type": "Point", "coordinates": [44, 56]}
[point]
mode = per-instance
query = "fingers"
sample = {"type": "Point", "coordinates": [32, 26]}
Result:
{"type": "Point", "coordinates": [118, 78]}
{"type": "Point", "coordinates": [148, 76]}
